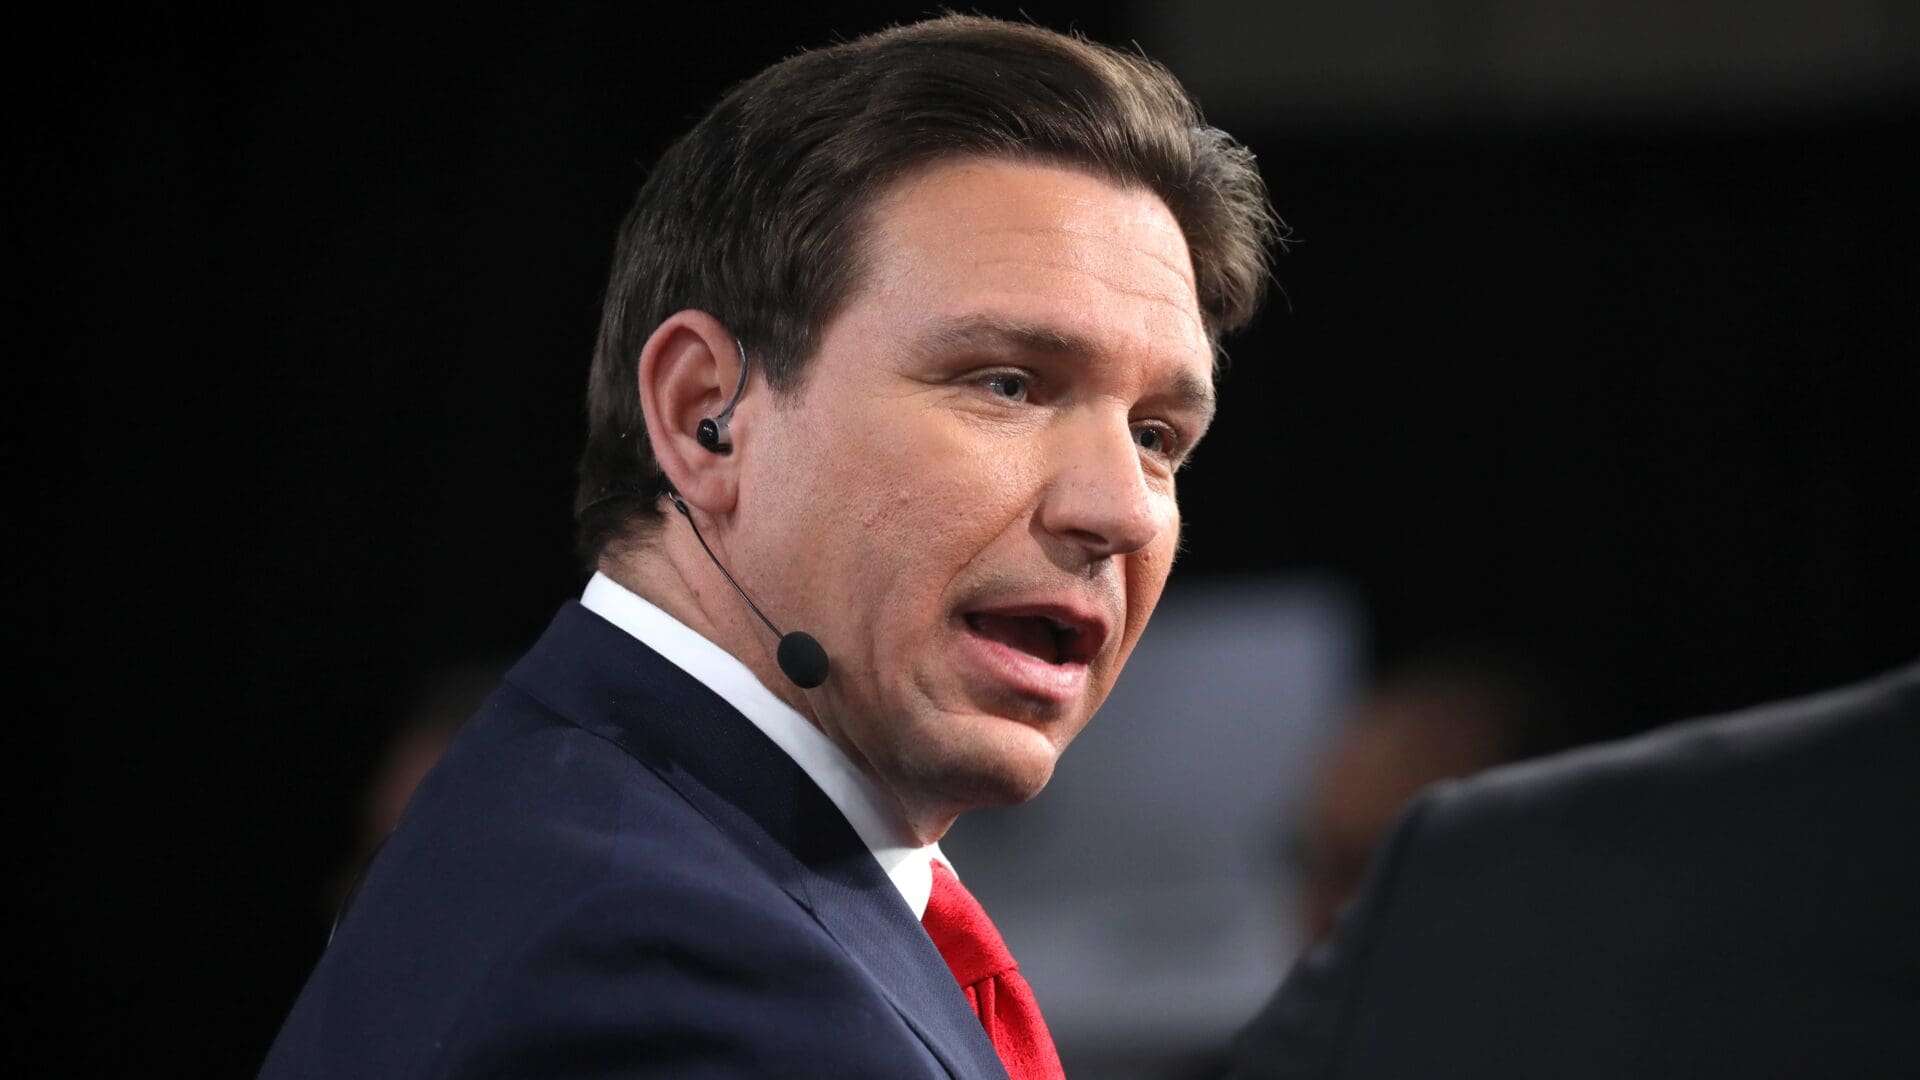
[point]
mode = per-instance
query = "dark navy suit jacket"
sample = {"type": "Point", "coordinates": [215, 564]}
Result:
{"type": "Point", "coordinates": [1737, 896]}
{"type": "Point", "coordinates": [614, 873]}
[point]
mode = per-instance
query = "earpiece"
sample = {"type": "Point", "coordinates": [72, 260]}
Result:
{"type": "Point", "coordinates": [799, 655]}
{"type": "Point", "coordinates": [712, 432]}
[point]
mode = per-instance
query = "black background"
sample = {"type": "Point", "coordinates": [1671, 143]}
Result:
{"type": "Point", "coordinates": [1637, 393]}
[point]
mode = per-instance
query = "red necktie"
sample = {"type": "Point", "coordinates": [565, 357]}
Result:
{"type": "Point", "coordinates": [985, 969]}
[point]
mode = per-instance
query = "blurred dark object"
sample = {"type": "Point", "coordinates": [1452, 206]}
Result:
{"type": "Point", "coordinates": [1451, 712]}
{"type": "Point", "coordinates": [1729, 897]}
{"type": "Point", "coordinates": [1405, 64]}
{"type": "Point", "coordinates": [445, 698]}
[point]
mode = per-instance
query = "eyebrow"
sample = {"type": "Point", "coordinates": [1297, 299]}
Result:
{"type": "Point", "coordinates": [988, 333]}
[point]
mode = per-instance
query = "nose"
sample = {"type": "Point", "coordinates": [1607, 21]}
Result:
{"type": "Point", "coordinates": [1100, 500]}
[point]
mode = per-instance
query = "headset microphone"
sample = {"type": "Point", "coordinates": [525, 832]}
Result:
{"type": "Point", "coordinates": [800, 656]}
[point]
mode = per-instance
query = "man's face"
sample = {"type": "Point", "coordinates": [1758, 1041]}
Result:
{"type": "Point", "coordinates": [970, 498]}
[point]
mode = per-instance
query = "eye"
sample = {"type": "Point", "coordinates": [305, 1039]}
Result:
{"type": "Point", "coordinates": [1154, 439]}
{"type": "Point", "coordinates": [1007, 385]}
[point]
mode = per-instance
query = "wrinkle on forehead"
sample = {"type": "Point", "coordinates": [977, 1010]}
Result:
{"type": "Point", "coordinates": [978, 192]}
{"type": "Point", "coordinates": [1126, 257]}
{"type": "Point", "coordinates": [1176, 302]}
{"type": "Point", "coordinates": [1035, 228]}
{"type": "Point", "coordinates": [1179, 268]}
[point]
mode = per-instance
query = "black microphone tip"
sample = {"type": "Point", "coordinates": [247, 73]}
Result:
{"type": "Point", "coordinates": [802, 659]}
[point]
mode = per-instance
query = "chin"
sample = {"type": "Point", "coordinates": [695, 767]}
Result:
{"type": "Point", "coordinates": [986, 761]}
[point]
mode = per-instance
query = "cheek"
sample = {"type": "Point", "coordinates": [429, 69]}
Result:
{"type": "Point", "coordinates": [1146, 578]}
{"type": "Point", "coordinates": [897, 520]}
{"type": "Point", "coordinates": [930, 492]}
{"type": "Point", "coordinates": [1147, 568]}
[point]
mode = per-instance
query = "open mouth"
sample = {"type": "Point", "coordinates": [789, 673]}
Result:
{"type": "Point", "coordinates": [1040, 636]}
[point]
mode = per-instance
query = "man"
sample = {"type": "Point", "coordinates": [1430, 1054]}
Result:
{"type": "Point", "coordinates": [1729, 897]}
{"type": "Point", "coordinates": [903, 346]}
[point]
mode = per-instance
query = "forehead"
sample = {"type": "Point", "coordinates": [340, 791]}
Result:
{"type": "Point", "coordinates": [1038, 246]}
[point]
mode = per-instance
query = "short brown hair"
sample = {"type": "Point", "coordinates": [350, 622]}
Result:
{"type": "Point", "coordinates": [756, 215]}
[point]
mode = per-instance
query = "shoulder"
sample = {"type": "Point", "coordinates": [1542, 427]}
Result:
{"type": "Point", "coordinates": [1825, 755]}
{"type": "Point", "coordinates": [551, 903]}
{"type": "Point", "coordinates": [1561, 911]}
{"type": "Point", "coordinates": [680, 971]}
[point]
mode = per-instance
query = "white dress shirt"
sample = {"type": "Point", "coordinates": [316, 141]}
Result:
{"type": "Point", "coordinates": [874, 815]}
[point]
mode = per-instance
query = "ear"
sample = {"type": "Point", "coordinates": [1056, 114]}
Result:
{"type": "Point", "coordinates": [687, 371]}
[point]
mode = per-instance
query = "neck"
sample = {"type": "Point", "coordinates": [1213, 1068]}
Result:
{"type": "Point", "coordinates": [672, 572]}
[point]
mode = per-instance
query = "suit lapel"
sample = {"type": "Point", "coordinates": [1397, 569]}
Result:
{"type": "Point", "coordinates": [609, 683]}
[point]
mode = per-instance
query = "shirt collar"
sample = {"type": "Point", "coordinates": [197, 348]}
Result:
{"type": "Point", "coordinates": [874, 815]}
